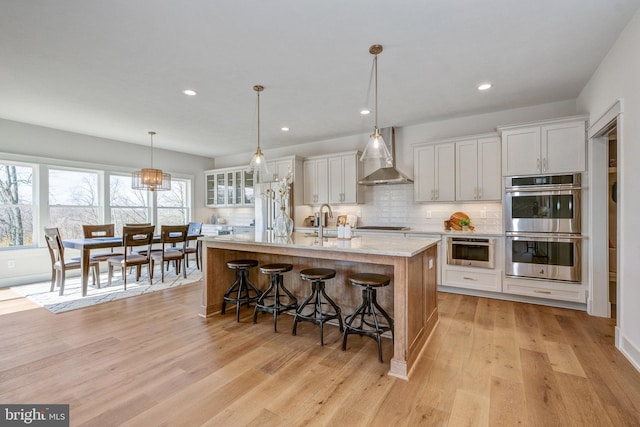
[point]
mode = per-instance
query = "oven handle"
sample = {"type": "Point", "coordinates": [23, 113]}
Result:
{"type": "Point", "coordinates": [489, 242]}
{"type": "Point", "coordinates": [545, 236]}
{"type": "Point", "coordinates": [540, 189]}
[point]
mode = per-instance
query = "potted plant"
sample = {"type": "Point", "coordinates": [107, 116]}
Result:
{"type": "Point", "coordinates": [464, 223]}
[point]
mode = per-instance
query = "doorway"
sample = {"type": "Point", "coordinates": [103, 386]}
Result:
{"type": "Point", "coordinates": [612, 218]}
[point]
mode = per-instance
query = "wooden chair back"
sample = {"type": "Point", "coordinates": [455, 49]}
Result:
{"type": "Point", "coordinates": [54, 244]}
{"type": "Point", "coordinates": [98, 230]}
{"type": "Point", "coordinates": [173, 235]}
{"type": "Point", "coordinates": [137, 236]}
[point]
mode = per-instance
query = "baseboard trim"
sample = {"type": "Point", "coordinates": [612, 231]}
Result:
{"type": "Point", "coordinates": [630, 351]}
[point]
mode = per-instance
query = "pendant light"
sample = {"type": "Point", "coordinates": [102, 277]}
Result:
{"type": "Point", "coordinates": [376, 147]}
{"type": "Point", "coordinates": [258, 164]}
{"type": "Point", "coordinates": [149, 178]}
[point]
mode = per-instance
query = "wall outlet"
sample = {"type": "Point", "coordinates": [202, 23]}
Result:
{"type": "Point", "coordinates": [428, 214]}
{"type": "Point", "coordinates": [11, 263]}
{"type": "Point", "coordinates": [483, 213]}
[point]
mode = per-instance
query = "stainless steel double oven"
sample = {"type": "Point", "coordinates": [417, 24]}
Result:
{"type": "Point", "coordinates": [543, 227]}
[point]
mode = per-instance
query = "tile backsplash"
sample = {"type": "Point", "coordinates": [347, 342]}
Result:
{"type": "Point", "coordinates": [392, 205]}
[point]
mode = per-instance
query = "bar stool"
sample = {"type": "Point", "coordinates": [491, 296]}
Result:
{"type": "Point", "coordinates": [368, 311]}
{"type": "Point", "coordinates": [273, 293]}
{"type": "Point", "coordinates": [317, 315]}
{"type": "Point", "coordinates": [239, 291]}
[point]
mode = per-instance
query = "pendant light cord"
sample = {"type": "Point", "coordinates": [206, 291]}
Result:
{"type": "Point", "coordinates": [375, 66]}
{"type": "Point", "coordinates": [258, 92]}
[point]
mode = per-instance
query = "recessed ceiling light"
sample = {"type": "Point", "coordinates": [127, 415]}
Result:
{"type": "Point", "coordinates": [190, 92]}
{"type": "Point", "coordinates": [284, 129]}
{"type": "Point", "coordinates": [485, 86]}
{"type": "Point", "coordinates": [364, 112]}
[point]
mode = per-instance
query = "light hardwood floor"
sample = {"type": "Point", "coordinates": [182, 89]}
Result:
{"type": "Point", "coordinates": [151, 361]}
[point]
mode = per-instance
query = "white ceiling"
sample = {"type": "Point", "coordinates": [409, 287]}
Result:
{"type": "Point", "coordinates": [117, 68]}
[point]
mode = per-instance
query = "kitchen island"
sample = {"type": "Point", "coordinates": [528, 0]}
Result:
{"type": "Point", "coordinates": [410, 262]}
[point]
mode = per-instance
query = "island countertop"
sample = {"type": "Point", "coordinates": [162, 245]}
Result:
{"type": "Point", "coordinates": [403, 247]}
{"type": "Point", "coordinates": [410, 263]}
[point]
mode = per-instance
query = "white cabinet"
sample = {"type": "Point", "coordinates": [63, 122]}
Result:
{"type": "Point", "coordinates": [229, 187]}
{"type": "Point", "coordinates": [549, 147]}
{"type": "Point", "coordinates": [343, 174]}
{"type": "Point", "coordinates": [478, 175]}
{"type": "Point", "coordinates": [434, 172]}
{"type": "Point", "coordinates": [472, 278]}
{"type": "Point", "coordinates": [315, 175]}
{"type": "Point", "coordinates": [562, 291]}
{"type": "Point", "coordinates": [280, 168]}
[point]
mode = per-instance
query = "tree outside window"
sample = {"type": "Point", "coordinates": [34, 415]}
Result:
{"type": "Point", "coordinates": [16, 205]}
{"type": "Point", "coordinates": [128, 206]}
{"type": "Point", "coordinates": [73, 201]}
{"type": "Point", "coordinates": [173, 205]}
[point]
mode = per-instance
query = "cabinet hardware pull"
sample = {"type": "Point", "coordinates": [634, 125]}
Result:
{"type": "Point", "coordinates": [544, 164]}
{"type": "Point", "coordinates": [538, 165]}
{"type": "Point", "coordinates": [537, 291]}
{"type": "Point", "coordinates": [470, 278]}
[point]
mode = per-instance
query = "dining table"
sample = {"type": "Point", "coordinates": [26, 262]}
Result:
{"type": "Point", "coordinates": [86, 245]}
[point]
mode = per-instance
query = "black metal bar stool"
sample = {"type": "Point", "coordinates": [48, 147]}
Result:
{"type": "Point", "coordinates": [314, 309]}
{"type": "Point", "coordinates": [271, 300]}
{"type": "Point", "coordinates": [369, 311]}
{"type": "Point", "coordinates": [240, 291]}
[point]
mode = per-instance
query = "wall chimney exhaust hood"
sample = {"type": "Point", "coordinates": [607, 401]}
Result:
{"type": "Point", "coordinates": [389, 174]}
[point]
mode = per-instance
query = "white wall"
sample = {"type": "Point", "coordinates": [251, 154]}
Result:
{"type": "Point", "coordinates": [618, 77]}
{"type": "Point", "coordinates": [37, 143]}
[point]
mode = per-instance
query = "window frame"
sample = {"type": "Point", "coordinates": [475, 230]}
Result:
{"type": "Point", "coordinates": [40, 190]}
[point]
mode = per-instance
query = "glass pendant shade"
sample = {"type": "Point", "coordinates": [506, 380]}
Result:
{"type": "Point", "coordinates": [151, 179]}
{"type": "Point", "coordinates": [258, 166]}
{"type": "Point", "coordinates": [376, 148]}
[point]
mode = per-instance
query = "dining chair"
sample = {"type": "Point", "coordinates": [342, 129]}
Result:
{"type": "Point", "coordinates": [195, 228]}
{"type": "Point", "coordinates": [133, 237]}
{"type": "Point", "coordinates": [60, 265]}
{"type": "Point", "coordinates": [174, 242]}
{"type": "Point", "coordinates": [92, 231]}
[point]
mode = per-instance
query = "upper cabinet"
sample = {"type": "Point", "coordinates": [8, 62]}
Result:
{"type": "Point", "coordinates": [316, 188]}
{"type": "Point", "coordinates": [229, 187]}
{"type": "Point", "coordinates": [434, 172]}
{"type": "Point", "coordinates": [332, 179]}
{"type": "Point", "coordinates": [557, 146]}
{"type": "Point", "coordinates": [344, 173]}
{"type": "Point", "coordinates": [478, 169]}
{"type": "Point", "coordinates": [234, 186]}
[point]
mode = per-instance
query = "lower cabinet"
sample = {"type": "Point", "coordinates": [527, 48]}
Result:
{"type": "Point", "coordinates": [564, 291]}
{"type": "Point", "coordinates": [472, 278]}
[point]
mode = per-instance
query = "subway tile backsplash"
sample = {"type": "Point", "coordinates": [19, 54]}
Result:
{"type": "Point", "coordinates": [392, 205]}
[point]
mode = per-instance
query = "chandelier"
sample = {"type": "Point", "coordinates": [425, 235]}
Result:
{"type": "Point", "coordinates": [149, 178]}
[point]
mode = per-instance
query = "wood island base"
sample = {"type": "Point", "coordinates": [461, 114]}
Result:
{"type": "Point", "coordinates": [410, 300]}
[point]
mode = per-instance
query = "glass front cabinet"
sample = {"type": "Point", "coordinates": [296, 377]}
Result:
{"type": "Point", "coordinates": [229, 187]}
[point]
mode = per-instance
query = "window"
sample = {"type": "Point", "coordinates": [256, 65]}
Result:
{"type": "Point", "coordinates": [73, 201]}
{"type": "Point", "coordinates": [16, 205]}
{"type": "Point", "coordinates": [67, 195]}
{"type": "Point", "coordinates": [128, 206]}
{"type": "Point", "coordinates": [173, 205]}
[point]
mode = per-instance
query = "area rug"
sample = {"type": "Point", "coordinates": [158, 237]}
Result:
{"type": "Point", "coordinates": [73, 299]}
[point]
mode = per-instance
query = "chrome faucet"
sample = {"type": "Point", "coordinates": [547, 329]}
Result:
{"type": "Point", "coordinates": [320, 220]}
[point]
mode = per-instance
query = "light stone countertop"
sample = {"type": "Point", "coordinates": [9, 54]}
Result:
{"type": "Point", "coordinates": [398, 246]}
{"type": "Point", "coordinates": [410, 231]}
